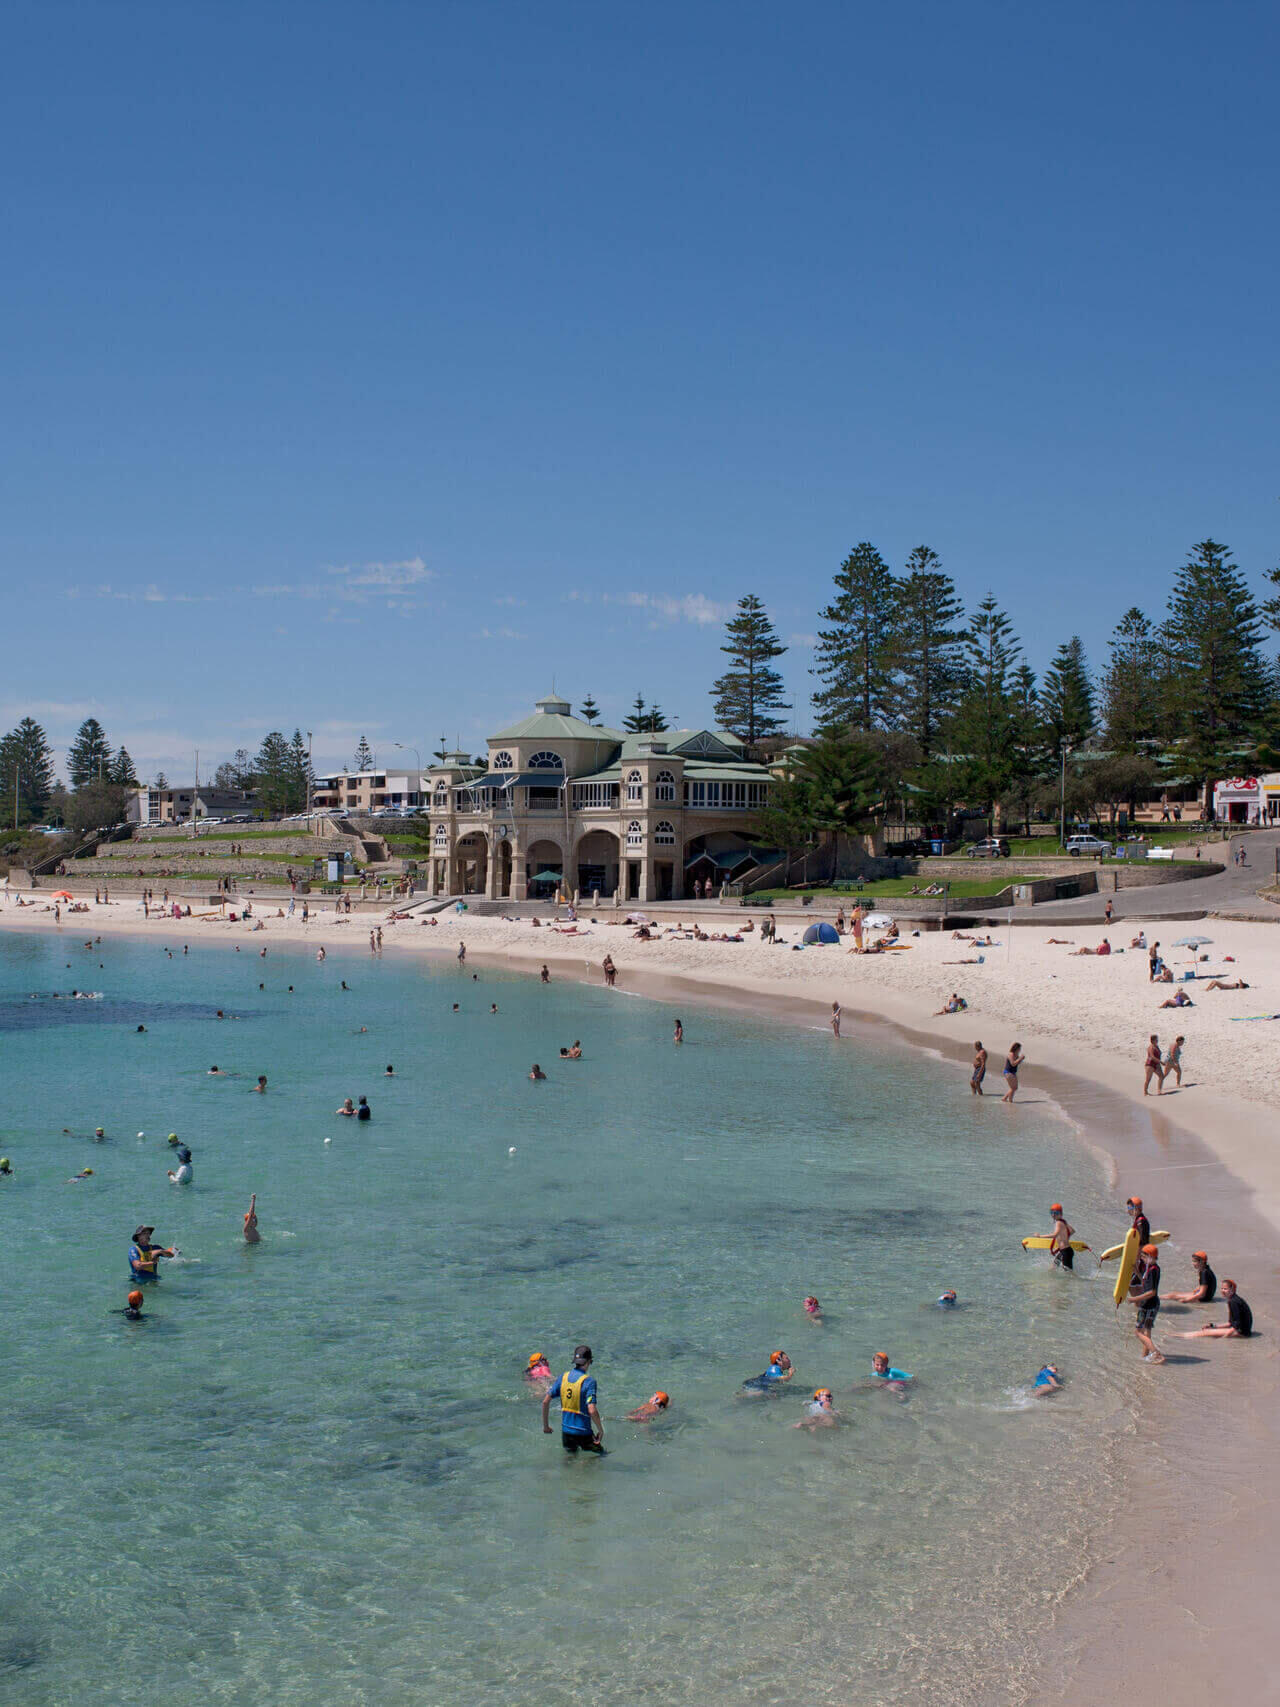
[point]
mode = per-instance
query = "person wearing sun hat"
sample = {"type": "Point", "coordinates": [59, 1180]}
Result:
{"type": "Point", "coordinates": [144, 1257]}
{"type": "Point", "coordinates": [1206, 1287]}
{"type": "Point", "coordinates": [1144, 1295]}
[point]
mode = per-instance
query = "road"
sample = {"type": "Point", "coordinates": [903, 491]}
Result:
{"type": "Point", "coordinates": [1233, 890]}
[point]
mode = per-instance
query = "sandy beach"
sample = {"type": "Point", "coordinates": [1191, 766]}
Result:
{"type": "Point", "coordinates": [1205, 1155]}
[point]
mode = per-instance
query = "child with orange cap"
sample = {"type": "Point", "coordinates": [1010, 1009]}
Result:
{"type": "Point", "coordinates": [1144, 1295]}
{"type": "Point", "coordinates": [132, 1311]}
{"type": "Point", "coordinates": [771, 1379]}
{"type": "Point", "coordinates": [820, 1412]}
{"type": "Point", "coordinates": [651, 1408]}
{"type": "Point", "coordinates": [1206, 1283]}
{"type": "Point", "coordinates": [538, 1368]}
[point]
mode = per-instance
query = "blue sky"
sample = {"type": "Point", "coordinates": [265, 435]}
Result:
{"type": "Point", "coordinates": [365, 366]}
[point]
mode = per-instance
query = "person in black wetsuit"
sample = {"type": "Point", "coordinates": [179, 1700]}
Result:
{"type": "Point", "coordinates": [363, 1111]}
{"type": "Point", "coordinates": [1206, 1283]}
{"type": "Point", "coordinates": [1239, 1322]}
{"type": "Point", "coordinates": [1141, 1226]}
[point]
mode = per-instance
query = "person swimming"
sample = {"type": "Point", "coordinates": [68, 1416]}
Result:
{"type": "Point", "coordinates": [883, 1370]}
{"type": "Point", "coordinates": [251, 1233]}
{"type": "Point", "coordinates": [85, 1173]}
{"type": "Point", "coordinates": [537, 1369]}
{"type": "Point", "coordinates": [6, 1166]}
{"type": "Point", "coordinates": [771, 1379]}
{"type": "Point", "coordinates": [132, 1311]}
{"type": "Point", "coordinates": [1047, 1380]}
{"type": "Point", "coordinates": [820, 1412]}
{"type": "Point", "coordinates": [948, 1299]}
{"type": "Point", "coordinates": [651, 1408]}
{"type": "Point", "coordinates": [812, 1308]}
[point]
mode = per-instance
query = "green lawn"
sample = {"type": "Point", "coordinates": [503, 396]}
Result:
{"type": "Point", "coordinates": [244, 835]}
{"type": "Point", "coordinates": [1159, 835]}
{"type": "Point", "coordinates": [894, 888]}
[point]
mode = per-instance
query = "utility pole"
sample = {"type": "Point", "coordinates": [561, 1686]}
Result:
{"type": "Point", "coordinates": [1062, 799]}
{"type": "Point", "coordinates": [310, 786]}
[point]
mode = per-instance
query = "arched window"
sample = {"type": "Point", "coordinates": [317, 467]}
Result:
{"type": "Point", "coordinates": [665, 835]}
{"type": "Point", "coordinates": [442, 835]}
{"type": "Point", "coordinates": [546, 762]}
{"type": "Point", "coordinates": [634, 789]}
{"type": "Point", "coordinates": [635, 835]}
{"type": "Point", "coordinates": [664, 786]}
{"type": "Point", "coordinates": [442, 787]}
{"type": "Point", "coordinates": [502, 762]}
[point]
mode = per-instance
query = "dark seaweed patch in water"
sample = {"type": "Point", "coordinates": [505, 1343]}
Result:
{"type": "Point", "coordinates": [22, 1652]}
{"type": "Point", "coordinates": [36, 1013]}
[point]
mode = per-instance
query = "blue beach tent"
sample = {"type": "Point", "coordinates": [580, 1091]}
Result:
{"type": "Point", "coordinates": [822, 932]}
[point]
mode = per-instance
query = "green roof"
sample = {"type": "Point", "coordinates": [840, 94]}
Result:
{"type": "Point", "coordinates": [557, 726]}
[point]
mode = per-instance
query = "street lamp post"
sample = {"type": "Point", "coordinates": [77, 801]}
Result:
{"type": "Point", "coordinates": [410, 748]}
{"type": "Point", "coordinates": [1062, 798]}
{"type": "Point", "coordinates": [310, 783]}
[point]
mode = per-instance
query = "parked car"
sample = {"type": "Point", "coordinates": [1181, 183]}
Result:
{"type": "Point", "coordinates": [1091, 846]}
{"type": "Point", "coordinates": [994, 847]}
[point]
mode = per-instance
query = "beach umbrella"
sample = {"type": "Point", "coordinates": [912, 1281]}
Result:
{"type": "Point", "coordinates": [1193, 942]}
{"type": "Point", "coordinates": [63, 895]}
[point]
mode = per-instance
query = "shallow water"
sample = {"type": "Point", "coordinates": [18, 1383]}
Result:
{"type": "Point", "coordinates": [313, 1474]}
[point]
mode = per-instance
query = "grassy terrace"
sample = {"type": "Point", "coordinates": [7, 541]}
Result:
{"type": "Point", "coordinates": [896, 888]}
{"type": "Point", "coordinates": [245, 835]}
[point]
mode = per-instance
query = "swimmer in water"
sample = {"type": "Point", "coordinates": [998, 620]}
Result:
{"type": "Point", "coordinates": [390, 1072]}
{"type": "Point", "coordinates": [85, 1173]}
{"type": "Point", "coordinates": [6, 1166]}
{"type": "Point", "coordinates": [948, 1300]}
{"type": "Point", "coordinates": [883, 1370]}
{"type": "Point", "coordinates": [812, 1308]}
{"type": "Point", "coordinates": [261, 1086]}
{"type": "Point", "coordinates": [536, 1072]}
{"type": "Point", "coordinates": [820, 1412]}
{"type": "Point", "coordinates": [183, 1174]}
{"type": "Point", "coordinates": [537, 1369]}
{"type": "Point", "coordinates": [99, 1135]}
{"type": "Point", "coordinates": [251, 1233]}
{"type": "Point", "coordinates": [651, 1408]}
{"type": "Point", "coordinates": [1047, 1381]}
{"type": "Point", "coordinates": [132, 1311]}
{"type": "Point", "coordinates": [348, 1108]}
{"type": "Point", "coordinates": [216, 1069]}
{"type": "Point", "coordinates": [345, 985]}
{"type": "Point", "coordinates": [771, 1380]}
{"type": "Point", "coordinates": [363, 1111]}
{"type": "Point", "coordinates": [493, 1007]}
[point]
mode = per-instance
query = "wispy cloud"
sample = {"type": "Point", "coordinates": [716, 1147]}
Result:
{"type": "Point", "coordinates": [499, 634]}
{"type": "Point", "coordinates": [696, 608]}
{"type": "Point", "coordinates": [150, 595]}
{"type": "Point", "coordinates": [360, 579]}
{"type": "Point", "coordinates": [510, 599]}
{"type": "Point", "coordinates": [803, 639]}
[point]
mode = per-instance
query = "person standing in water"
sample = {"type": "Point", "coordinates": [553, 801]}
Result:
{"type": "Point", "coordinates": [1060, 1240]}
{"type": "Point", "coordinates": [979, 1072]}
{"type": "Point", "coordinates": [1012, 1065]}
{"type": "Point", "coordinates": [678, 1034]}
{"type": "Point", "coordinates": [581, 1428]}
{"type": "Point", "coordinates": [251, 1233]}
{"type": "Point", "coordinates": [835, 1019]}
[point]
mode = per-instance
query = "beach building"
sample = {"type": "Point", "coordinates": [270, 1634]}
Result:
{"type": "Point", "coordinates": [184, 801]}
{"type": "Point", "coordinates": [563, 805]}
{"type": "Point", "coordinates": [367, 791]}
{"type": "Point", "coordinates": [1247, 799]}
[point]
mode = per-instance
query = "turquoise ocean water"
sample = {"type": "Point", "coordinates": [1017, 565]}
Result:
{"type": "Point", "coordinates": [314, 1475]}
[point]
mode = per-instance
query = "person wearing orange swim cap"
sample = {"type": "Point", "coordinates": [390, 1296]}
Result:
{"type": "Point", "coordinates": [1206, 1287]}
{"type": "Point", "coordinates": [651, 1408]}
{"type": "Point", "coordinates": [1144, 1295]}
{"type": "Point", "coordinates": [537, 1368]}
{"type": "Point", "coordinates": [820, 1412]}
{"type": "Point", "coordinates": [770, 1381]}
{"type": "Point", "coordinates": [132, 1311]}
{"type": "Point", "coordinates": [1141, 1226]}
{"type": "Point", "coordinates": [1060, 1240]}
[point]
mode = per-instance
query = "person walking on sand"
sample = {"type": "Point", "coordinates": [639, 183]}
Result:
{"type": "Point", "coordinates": [1012, 1065]}
{"type": "Point", "coordinates": [1173, 1060]}
{"type": "Point", "coordinates": [835, 1019]}
{"type": "Point", "coordinates": [1153, 1067]}
{"type": "Point", "coordinates": [1144, 1295]}
{"type": "Point", "coordinates": [979, 1072]}
{"type": "Point", "coordinates": [1108, 910]}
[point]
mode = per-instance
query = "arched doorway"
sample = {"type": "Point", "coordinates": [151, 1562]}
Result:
{"type": "Point", "coordinates": [545, 857]}
{"type": "Point", "coordinates": [470, 865]}
{"type": "Point", "coordinates": [596, 863]}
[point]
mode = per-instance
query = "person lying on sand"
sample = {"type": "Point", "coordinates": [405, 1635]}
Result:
{"type": "Point", "coordinates": [1220, 984]}
{"type": "Point", "coordinates": [1181, 1000]}
{"type": "Point", "coordinates": [1060, 941]}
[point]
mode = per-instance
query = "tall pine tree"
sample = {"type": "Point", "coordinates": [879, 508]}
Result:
{"type": "Point", "coordinates": [748, 695]}
{"type": "Point", "coordinates": [1066, 698]}
{"type": "Point", "coordinates": [122, 771]}
{"type": "Point", "coordinates": [363, 760]}
{"type": "Point", "coordinates": [273, 766]}
{"type": "Point", "coordinates": [984, 731]}
{"type": "Point", "coordinates": [89, 755]}
{"type": "Point", "coordinates": [300, 775]}
{"type": "Point", "coordinates": [589, 711]}
{"type": "Point", "coordinates": [1217, 678]}
{"type": "Point", "coordinates": [644, 719]}
{"type": "Point", "coordinates": [26, 771]}
{"type": "Point", "coordinates": [927, 652]}
{"type": "Point", "coordinates": [853, 656]}
{"type": "Point", "coordinates": [1131, 685]}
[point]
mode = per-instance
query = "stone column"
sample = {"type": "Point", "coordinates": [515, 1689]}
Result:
{"type": "Point", "coordinates": [491, 885]}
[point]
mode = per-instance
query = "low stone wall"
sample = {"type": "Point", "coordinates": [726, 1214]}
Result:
{"type": "Point", "coordinates": [93, 871]}
{"type": "Point", "coordinates": [173, 848]}
{"type": "Point", "coordinates": [1147, 876]}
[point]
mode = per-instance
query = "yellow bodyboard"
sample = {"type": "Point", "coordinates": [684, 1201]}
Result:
{"type": "Point", "coordinates": [1042, 1241]}
{"type": "Point", "coordinates": [1114, 1251]}
{"type": "Point", "coordinates": [1128, 1262]}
